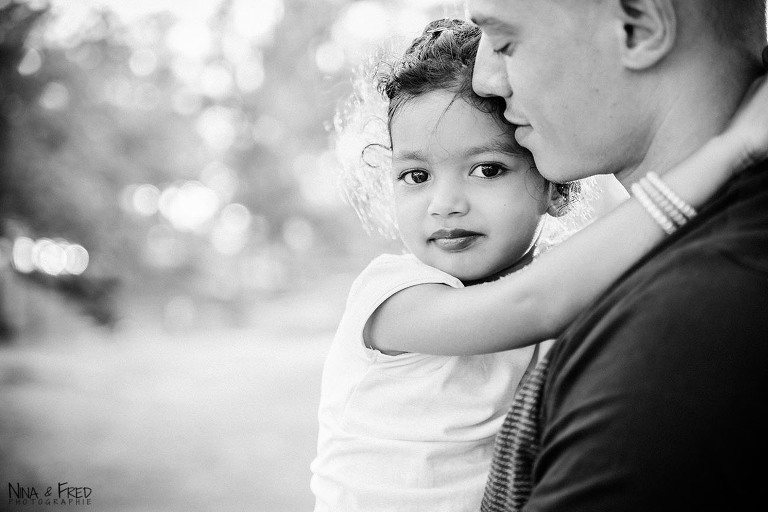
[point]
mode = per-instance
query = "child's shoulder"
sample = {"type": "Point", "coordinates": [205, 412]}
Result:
{"type": "Point", "coordinates": [405, 267]}
{"type": "Point", "coordinates": [383, 277]}
{"type": "Point", "coordinates": [391, 272]}
{"type": "Point", "coordinates": [393, 261]}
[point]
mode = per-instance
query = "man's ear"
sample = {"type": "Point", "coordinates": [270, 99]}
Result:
{"type": "Point", "coordinates": [648, 31]}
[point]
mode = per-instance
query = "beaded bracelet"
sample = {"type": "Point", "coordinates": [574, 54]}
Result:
{"type": "Point", "coordinates": [664, 206]}
{"type": "Point", "coordinates": [673, 198]}
{"type": "Point", "coordinates": [661, 201]}
{"type": "Point", "coordinates": [661, 219]}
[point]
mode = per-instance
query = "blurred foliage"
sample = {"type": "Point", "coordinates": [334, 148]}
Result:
{"type": "Point", "coordinates": [237, 103]}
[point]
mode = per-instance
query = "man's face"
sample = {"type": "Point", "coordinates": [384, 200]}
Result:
{"type": "Point", "coordinates": [556, 64]}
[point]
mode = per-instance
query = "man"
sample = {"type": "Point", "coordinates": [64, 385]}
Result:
{"type": "Point", "coordinates": [651, 399]}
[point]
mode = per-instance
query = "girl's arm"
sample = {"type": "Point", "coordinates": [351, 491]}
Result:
{"type": "Point", "coordinates": [539, 301]}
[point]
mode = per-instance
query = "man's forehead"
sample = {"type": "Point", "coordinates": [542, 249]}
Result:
{"type": "Point", "coordinates": [487, 12]}
{"type": "Point", "coordinates": [506, 15]}
{"type": "Point", "coordinates": [498, 15]}
{"type": "Point", "coordinates": [487, 22]}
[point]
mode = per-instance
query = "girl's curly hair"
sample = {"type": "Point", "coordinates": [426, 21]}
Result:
{"type": "Point", "coordinates": [442, 58]}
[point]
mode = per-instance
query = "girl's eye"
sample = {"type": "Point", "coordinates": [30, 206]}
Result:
{"type": "Point", "coordinates": [487, 171]}
{"type": "Point", "coordinates": [414, 177]}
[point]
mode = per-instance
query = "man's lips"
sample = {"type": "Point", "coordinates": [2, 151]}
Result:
{"type": "Point", "coordinates": [514, 116]}
{"type": "Point", "coordinates": [522, 128]}
{"type": "Point", "coordinates": [454, 239]}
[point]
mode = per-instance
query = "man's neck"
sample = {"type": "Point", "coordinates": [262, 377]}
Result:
{"type": "Point", "coordinates": [701, 110]}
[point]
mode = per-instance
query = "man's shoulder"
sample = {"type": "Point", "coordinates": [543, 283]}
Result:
{"type": "Point", "coordinates": [727, 241]}
{"type": "Point", "coordinates": [705, 286]}
{"type": "Point", "coordinates": [708, 283]}
{"type": "Point", "coordinates": [694, 313]}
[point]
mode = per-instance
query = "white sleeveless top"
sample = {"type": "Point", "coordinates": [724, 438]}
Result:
{"type": "Point", "coordinates": [410, 432]}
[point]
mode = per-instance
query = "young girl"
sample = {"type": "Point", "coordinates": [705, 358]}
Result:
{"type": "Point", "coordinates": [421, 372]}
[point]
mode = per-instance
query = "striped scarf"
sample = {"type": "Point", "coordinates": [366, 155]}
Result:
{"type": "Point", "coordinates": [516, 448]}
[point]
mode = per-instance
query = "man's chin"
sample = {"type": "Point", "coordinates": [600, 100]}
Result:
{"type": "Point", "coordinates": [558, 170]}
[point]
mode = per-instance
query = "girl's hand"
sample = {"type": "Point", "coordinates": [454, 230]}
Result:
{"type": "Point", "coordinates": [747, 132]}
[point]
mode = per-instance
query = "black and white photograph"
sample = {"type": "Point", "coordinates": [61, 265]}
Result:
{"type": "Point", "coordinates": [383, 256]}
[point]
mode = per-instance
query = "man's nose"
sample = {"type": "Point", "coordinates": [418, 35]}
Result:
{"type": "Point", "coordinates": [448, 199]}
{"type": "Point", "coordinates": [489, 76]}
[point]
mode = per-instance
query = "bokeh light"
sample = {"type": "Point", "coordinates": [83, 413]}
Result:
{"type": "Point", "coordinates": [230, 233]}
{"type": "Point", "coordinates": [257, 20]}
{"type": "Point", "coordinates": [216, 81]}
{"type": "Point", "coordinates": [145, 200]}
{"type": "Point", "coordinates": [51, 257]}
{"type": "Point", "coordinates": [190, 39]}
{"type": "Point", "coordinates": [22, 255]}
{"type": "Point", "coordinates": [235, 217]}
{"type": "Point", "coordinates": [77, 259]}
{"type": "Point", "coordinates": [221, 179]}
{"type": "Point", "coordinates": [250, 76]}
{"type": "Point", "coordinates": [31, 62]}
{"type": "Point", "coordinates": [217, 126]}
{"type": "Point", "coordinates": [365, 21]}
{"type": "Point", "coordinates": [329, 57]}
{"type": "Point", "coordinates": [55, 96]}
{"type": "Point", "coordinates": [188, 206]}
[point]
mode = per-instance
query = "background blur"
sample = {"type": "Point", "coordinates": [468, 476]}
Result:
{"type": "Point", "coordinates": [174, 253]}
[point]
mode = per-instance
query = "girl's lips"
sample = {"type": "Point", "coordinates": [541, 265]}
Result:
{"type": "Point", "coordinates": [453, 240]}
{"type": "Point", "coordinates": [456, 244]}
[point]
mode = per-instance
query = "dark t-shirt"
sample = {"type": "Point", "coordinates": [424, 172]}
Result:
{"type": "Point", "coordinates": [654, 397]}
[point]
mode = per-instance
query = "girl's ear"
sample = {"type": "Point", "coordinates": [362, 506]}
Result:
{"type": "Point", "coordinates": [558, 201]}
{"type": "Point", "coordinates": [648, 31]}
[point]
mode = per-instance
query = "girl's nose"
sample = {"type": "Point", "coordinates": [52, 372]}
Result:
{"type": "Point", "coordinates": [448, 198]}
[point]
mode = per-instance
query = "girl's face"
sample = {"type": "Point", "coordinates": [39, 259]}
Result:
{"type": "Point", "coordinates": [465, 203]}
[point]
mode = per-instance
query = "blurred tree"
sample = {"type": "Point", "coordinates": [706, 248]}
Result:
{"type": "Point", "coordinates": [151, 140]}
{"type": "Point", "coordinates": [15, 23]}
{"type": "Point", "coordinates": [45, 190]}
